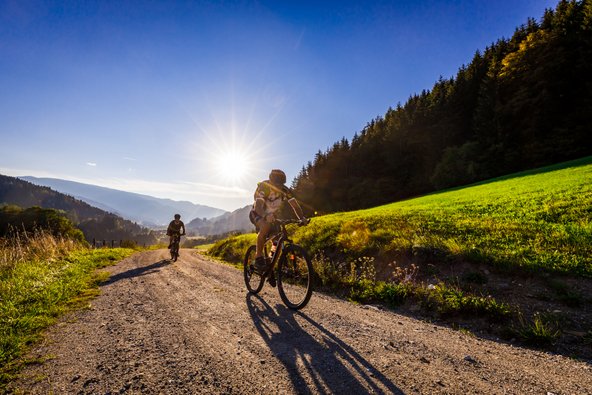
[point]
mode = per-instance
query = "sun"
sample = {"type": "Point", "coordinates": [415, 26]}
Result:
{"type": "Point", "coordinates": [233, 165]}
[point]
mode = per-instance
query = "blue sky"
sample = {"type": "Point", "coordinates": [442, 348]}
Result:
{"type": "Point", "coordinates": [198, 100]}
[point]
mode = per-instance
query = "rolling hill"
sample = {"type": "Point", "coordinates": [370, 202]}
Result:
{"type": "Point", "coordinates": [94, 222]}
{"type": "Point", "coordinates": [238, 220]}
{"type": "Point", "coordinates": [143, 209]}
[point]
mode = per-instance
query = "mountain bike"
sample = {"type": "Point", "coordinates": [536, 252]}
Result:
{"type": "Point", "coordinates": [294, 267]}
{"type": "Point", "coordinates": [175, 247]}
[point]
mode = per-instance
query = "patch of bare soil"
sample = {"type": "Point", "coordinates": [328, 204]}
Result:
{"type": "Point", "coordinates": [190, 327]}
{"type": "Point", "coordinates": [563, 302]}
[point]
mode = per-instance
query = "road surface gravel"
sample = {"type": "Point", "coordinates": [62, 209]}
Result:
{"type": "Point", "coordinates": [190, 327]}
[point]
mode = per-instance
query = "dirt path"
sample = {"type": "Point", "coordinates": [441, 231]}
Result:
{"type": "Point", "coordinates": [190, 327]}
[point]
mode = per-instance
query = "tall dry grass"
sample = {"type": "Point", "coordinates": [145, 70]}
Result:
{"type": "Point", "coordinates": [39, 246]}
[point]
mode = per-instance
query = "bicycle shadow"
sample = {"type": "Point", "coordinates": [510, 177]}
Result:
{"type": "Point", "coordinates": [332, 365]}
{"type": "Point", "coordinates": [137, 272]}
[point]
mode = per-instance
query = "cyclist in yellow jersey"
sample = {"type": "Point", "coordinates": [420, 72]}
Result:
{"type": "Point", "coordinates": [269, 196]}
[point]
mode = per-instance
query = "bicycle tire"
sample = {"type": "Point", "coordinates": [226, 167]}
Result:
{"type": "Point", "coordinates": [295, 274]}
{"type": "Point", "coordinates": [253, 280]}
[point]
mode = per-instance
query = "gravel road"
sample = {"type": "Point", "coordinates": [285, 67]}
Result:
{"type": "Point", "coordinates": [190, 327]}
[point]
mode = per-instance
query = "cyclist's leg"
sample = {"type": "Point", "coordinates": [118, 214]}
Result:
{"type": "Point", "coordinates": [264, 228]}
{"type": "Point", "coordinates": [260, 261]}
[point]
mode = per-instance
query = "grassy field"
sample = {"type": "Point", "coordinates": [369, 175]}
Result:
{"type": "Point", "coordinates": [539, 220]}
{"type": "Point", "coordinates": [42, 277]}
{"type": "Point", "coordinates": [535, 223]}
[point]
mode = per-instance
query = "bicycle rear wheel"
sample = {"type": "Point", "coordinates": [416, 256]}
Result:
{"type": "Point", "coordinates": [295, 277]}
{"type": "Point", "coordinates": [253, 280]}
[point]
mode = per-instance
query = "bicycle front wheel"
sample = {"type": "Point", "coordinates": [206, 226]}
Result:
{"type": "Point", "coordinates": [295, 277]}
{"type": "Point", "coordinates": [253, 280]}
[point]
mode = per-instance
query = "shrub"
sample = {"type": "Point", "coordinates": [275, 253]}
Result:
{"type": "Point", "coordinates": [450, 299]}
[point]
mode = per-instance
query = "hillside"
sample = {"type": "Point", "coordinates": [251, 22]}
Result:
{"type": "Point", "coordinates": [516, 251]}
{"type": "Point", "coordinates": [94, 222]}
{"type": "Point", "coordinates": [238, 220]}
{"type": "Point", "coordinates": [143, 209]}
{"type": "Point", "coordinates": [521, 103]}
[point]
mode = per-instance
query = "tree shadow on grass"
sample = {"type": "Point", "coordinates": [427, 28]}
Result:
{"type": "Point", "coordinates": [137, 272]}
{"type": "Point", "coordinates": [332, 366]}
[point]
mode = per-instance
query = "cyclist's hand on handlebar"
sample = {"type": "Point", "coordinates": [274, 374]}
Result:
{"type": "Point", "coordinates": [303, 221]}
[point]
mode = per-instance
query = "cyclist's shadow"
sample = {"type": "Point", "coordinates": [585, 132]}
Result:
{"type": "Point", "coordinates": [332, 365]}
{"type": "Point", "coordinates": [137, 272]}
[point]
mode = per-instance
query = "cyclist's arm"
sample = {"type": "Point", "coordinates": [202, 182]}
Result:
{"type": "Point", "coordinates": [183, 226]}
{"type": "Point", "coordinates": [296, 207]}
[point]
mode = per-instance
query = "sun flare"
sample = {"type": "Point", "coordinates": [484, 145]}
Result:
{"type": "Point", "coordinates": [233, 165]}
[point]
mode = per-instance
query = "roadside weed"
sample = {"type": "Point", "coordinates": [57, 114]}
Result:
{"type": "Point", "coordinates": [540, 331]}
{"type": "Point", "coordinates": [39, 285]}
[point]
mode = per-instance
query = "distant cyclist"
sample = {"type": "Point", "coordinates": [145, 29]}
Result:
{"type": "Point", "coordinates": [174, 228]}
{"type": "Point", "coordinates": [269, 196]}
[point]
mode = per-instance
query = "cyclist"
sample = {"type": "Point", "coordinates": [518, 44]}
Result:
{"type": "Point", "coordinates": [269, 196]}
{"type": "Point", "coordinates": [174, 228]}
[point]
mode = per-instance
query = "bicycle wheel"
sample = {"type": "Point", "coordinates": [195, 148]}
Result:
{"type": "Point", "coordinates": [295, 277]}
{"type": "Point", "coordinates": [174, 253]}
{"type": "Point", "coordinates": [253, 280]}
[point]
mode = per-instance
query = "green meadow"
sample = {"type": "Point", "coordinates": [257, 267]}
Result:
{"type": "Point", "coordinates": [536, 221]}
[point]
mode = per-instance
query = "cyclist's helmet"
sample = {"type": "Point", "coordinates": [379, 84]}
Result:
{"type": "Point", "coordinates": [277, 177]}
{"type": "Point", "coordinates": [177, 216]}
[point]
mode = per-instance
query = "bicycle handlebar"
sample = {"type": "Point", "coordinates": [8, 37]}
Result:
{"type": "Point", "coordinates": [301, 222]}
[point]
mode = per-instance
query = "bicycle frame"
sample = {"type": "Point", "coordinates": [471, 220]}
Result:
{"type": "Point", "coordinates": [176, 240]}
{"type": "Point", "coordinates": [295, 270]}
{"type": "Point", "coordinates": [282, 238]}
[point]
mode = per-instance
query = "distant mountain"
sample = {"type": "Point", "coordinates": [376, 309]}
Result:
{"type": "Point", "coordinates": [94, 222]}
{"type": "Point", "coordinates": [143, 209]}
{"type": "Point", "coordinates": [237, 220]}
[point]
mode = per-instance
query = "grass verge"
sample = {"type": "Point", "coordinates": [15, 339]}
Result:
{"type": "Point", "coordinates": [34, 292]}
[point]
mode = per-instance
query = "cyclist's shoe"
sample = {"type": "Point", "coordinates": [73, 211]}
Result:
{"type": "Point", "coordinates": [261, 264]}
{"type": "Point", "coordinates": [271, 280]}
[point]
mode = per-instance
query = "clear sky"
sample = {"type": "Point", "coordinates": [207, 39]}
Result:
{"type": "Point", "coordinates": [198, 100]}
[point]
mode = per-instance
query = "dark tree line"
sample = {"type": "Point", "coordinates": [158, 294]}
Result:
{"type": "Point", "coordinates": [14, 219]}
{"type": "Point", "coordinates": [94, 222]}
{"type": "Point", "coordinates": [524, 102]}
